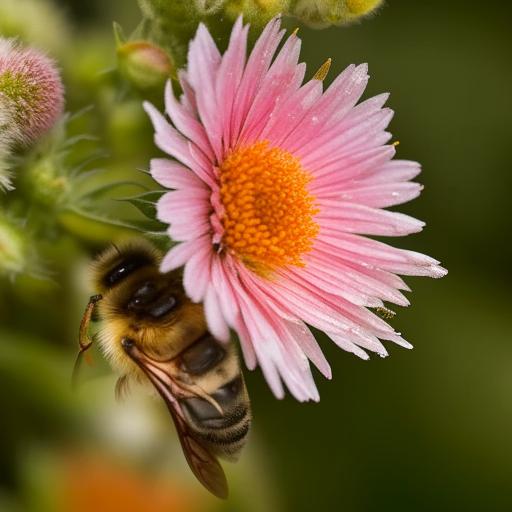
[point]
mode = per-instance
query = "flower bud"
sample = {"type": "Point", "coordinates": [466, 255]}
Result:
{"type": "Point", "coordinates": [14, 246]}
{"type": "Point", "coordinates": [5, 174]}
{"type": "Point", "coordinates": [6, 140]}
{"type": "Point", "coordinates": [31, 87]}
{"type": "Point", "coordinates": [256, 11]}
{"type": "Point", "coordinates": [322, 13]}
{"type": "Point", "coordinates": [45, 181]}
{"type": "Point", "coordinates": [172, 24]}
{"type": "Point", "coordinates": [144, 64]}
{"type": "Point", "coordinates": [208, 7]}
{"type": "Point", "coordinates": [361, 7]}
{"type": "Point", "coordinates": [47, 171]}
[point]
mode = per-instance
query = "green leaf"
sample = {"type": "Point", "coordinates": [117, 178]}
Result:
{"type": "Point", "coordinates": [145, 203]}
{"type": "Point", "coordinates": [119, 36]}
{"type": "Point", "coordinates": [100, 190]}
{"type": "Point", "coordinates": [147, 226]}
{"type": "Point", "coordinates": [150, 227]}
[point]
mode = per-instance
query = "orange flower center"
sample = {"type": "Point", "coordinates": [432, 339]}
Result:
{"type": "Point", "coordinates": [269, 212]}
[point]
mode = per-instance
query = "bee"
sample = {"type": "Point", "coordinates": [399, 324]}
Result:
{"type": "Point", "coordinates": [152, 332]}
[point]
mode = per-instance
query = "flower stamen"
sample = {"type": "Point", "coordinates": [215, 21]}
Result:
{"type": "Point", "coordinates": [268, 211]}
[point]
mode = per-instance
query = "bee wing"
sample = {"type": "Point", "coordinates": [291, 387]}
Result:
{"type": "Point", "coordinates": [204, 465]}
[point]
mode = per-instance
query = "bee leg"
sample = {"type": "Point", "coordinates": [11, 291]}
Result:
{"type": "Point", "coordinates": [84, 340]}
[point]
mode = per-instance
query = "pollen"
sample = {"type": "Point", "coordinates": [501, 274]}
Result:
{"type": "Point", "coordinates": [269, 212]}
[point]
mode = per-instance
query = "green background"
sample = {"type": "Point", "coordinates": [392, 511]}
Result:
{"type": "Point", "coordinates": [423, 430]}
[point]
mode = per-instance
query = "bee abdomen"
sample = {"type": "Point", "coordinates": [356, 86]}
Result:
{"type": "Point", "coordinates": [227, 442]}
{"type": "Point", "coordinates": [225, 434]}
{"type": "Point", "coordinates": [217, 369]}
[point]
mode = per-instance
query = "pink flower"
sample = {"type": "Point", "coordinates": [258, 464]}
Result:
{"type": "Point", "coordinates": [31, 88]}
{"type": "Point", "coordinates": [276, 183]}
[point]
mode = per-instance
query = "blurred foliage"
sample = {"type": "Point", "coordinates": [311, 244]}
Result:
{"type": "Point", "coordinates": [423, 430]}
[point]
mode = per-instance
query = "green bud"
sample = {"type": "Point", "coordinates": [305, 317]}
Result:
{"type": "Point", "coordinates": [208, 7]}
{"type": "Point", "coordinates": [44, 176]}
{"type": "Point", "coordinates": [171, 24]}
{"type": "Point", "coordinates": [256, 11]}
{"type": "Point", "coordinates": [47, 183]}
{"type": "Point", "coordinates": [322, 13]}
{"type": "Point", "coordinates": [362, 7]}
{"type": "Point", "coordinates": [14, 246]}
{"type": "Point", "coordinates": [165, 10]}
{"type": "Point", "coordinates": [19, 252]}
{"type": "Point", "coordinates": [144, 64]}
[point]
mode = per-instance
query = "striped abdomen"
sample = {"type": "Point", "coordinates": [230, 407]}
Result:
{"type": "Point", "coordinates": [216, 369]}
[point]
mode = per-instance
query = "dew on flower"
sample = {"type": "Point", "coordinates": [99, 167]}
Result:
{"type": "Point", "coordinates": [277, 189]}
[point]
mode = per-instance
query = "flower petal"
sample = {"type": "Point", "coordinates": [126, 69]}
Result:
{"type": "Point", "coordinates": [348, 217]}
{"type": "Point", "coordinates": [167, 138]}
{"type": "Point", "coordinates": [197, 273]}
{"type": "Point", "coordinates": [174, 175]}
{"type": "Point", "coordinates": [216, 323]}
{"type": "Point", "coordinates": [185, 122]}
{"type": "Point", "coordinates": [181, 253]}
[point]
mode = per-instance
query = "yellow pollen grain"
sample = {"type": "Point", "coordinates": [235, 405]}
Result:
{"type": "Point", "coordinates": [268, 211]}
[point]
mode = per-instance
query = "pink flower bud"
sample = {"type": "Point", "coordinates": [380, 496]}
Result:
{"type": "Point", "coordinates": [8, 136]}
{"type": "Point", "coordinates": [144, 64]}
{"type": "Point", "coordinates": [31, 88]}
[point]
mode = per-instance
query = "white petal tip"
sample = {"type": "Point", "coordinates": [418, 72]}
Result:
{"type": "Point", "coordinates": [224, 338]}
{"type": "Point", "coordinates": [164, 268]}
{"type": "Point", "coordinates": [437, 271]}
{"type": "Point", "coordinates": [404, 344]}
{"type": "Point", "coordinates": [148, 107]}
{"type": "Point", "coordinates": [279, 395]}
{"type": "Point", "coordinates": [168, 264]}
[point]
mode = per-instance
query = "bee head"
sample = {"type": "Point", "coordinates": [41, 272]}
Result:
{"type": "Point", "coordinates": [119, 261]}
